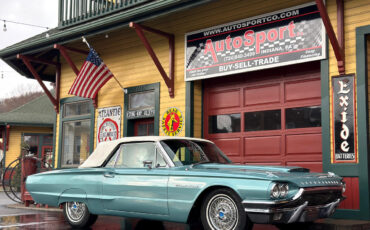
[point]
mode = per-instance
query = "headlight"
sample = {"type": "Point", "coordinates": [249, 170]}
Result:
{"type": "Point", "coordinates": [343, 187]}
{"type": "Point", "coordinates": [284, 188]}
{"type": "Point", "coordinates": [279, 190]}
{"type": "Point", "coordinates": [275, 191]}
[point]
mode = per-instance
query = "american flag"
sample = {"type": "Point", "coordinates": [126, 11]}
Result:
{"type": "Point", "coordinates": [92, 76]}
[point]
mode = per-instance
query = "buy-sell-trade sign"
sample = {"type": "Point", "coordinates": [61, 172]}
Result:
{"type": "Point", "coordinates": [344, 119]}
{"type": "Point", "coordinates": [280, 38]}
{"type": "Point", "coordinates": [172, 121]}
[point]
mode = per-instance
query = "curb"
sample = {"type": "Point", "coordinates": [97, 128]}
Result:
{"type": "Point", "coordinates": [33, 207]}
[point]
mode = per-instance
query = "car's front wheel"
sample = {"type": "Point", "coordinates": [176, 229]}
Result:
{"type": "Point", "coordinates": [78, 215]}
{"type": "Point", "coordinates": [222, 209]}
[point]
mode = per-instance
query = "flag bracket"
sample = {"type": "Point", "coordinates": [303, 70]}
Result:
{"type": "Point", "coordinates": [63, 51]}
{"type": "Point", "coordinates": [27, 61]}
{"type": "Point", "coordinates": [168, 79]}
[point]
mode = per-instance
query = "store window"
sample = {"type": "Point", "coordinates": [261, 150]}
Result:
{"type": "Point", "coordinates": [39, 145]}
{"type": "Point", "coordinates": [141, 105]}
{"type": "Point", "coordinates": [77, 132]}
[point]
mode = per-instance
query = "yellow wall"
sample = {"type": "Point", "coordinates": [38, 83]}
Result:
{"type": "Point", "coordinates": [15, 139]}
{"type": "Point", "coordinates": [128, 60]}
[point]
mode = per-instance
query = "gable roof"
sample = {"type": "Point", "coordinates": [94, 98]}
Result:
{"type": "Point", "coordinates": [38, 112]}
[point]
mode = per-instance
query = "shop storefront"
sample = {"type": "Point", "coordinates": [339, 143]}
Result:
{"type": "Point", "coordinates": [264, 83]}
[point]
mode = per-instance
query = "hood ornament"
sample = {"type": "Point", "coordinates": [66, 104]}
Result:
{"type": "Point", "coordinates": [331, 174]}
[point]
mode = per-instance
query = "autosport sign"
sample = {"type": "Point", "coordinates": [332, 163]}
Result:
{"type": "Point", "coordinates": [285, 37]}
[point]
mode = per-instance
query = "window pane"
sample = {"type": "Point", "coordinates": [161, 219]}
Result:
{"type": "Point", "coordinates": [303, 117]}
{"type": "Point", "coordinates": [228, 123]}
{"type": "Point", "coordinates": [47, 140]}
{"type": "Point", "coordinates": [76, 142]}
{"type": "Point", "coordinates": [262, 120]}
{"type": "Point", "coordinates": [31, 142]}
{"type": "Point", "coordinates": [134, 155]}
{"type": "Point", "coordinates": [76, 109]}
{"type": "Point", "coordinates": [141, 100]}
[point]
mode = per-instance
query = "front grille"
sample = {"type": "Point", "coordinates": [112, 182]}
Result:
{"type": "Point", "coordinates": [321, 198]}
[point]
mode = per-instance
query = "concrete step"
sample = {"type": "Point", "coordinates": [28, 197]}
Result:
{"type": "Point", "coordinates": [340, 224]}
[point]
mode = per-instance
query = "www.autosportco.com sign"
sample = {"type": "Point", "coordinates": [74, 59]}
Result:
{"type": "Point", "coordinates": [285, 37]}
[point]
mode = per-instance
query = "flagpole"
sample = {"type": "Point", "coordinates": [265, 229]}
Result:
{"type": "Point", "coordinates": [88, 45]}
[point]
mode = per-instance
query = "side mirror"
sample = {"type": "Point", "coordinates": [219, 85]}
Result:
{"type": "Point", "coordinates": [148, 164]}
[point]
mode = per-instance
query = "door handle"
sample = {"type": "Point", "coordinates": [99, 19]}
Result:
{"type": "Point", "coordinates": [109, 175]}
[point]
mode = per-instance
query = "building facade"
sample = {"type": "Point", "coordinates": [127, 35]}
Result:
{"type": "Point", "coordinates": [264, 80]}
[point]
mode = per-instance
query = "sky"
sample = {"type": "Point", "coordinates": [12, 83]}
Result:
{"type": "Point", "coordinates": [36, 12]}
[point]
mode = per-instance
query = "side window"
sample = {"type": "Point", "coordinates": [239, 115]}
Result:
{"type": "Point", "coordinates": [133, 155]}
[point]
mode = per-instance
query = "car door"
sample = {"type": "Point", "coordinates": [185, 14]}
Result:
{"type": "Point", "coordinates": [136, 180]}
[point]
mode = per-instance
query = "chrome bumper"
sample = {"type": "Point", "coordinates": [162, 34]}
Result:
{"type": "Point", "coordinates": [289, 211]}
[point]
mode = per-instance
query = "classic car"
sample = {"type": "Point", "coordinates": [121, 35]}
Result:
{"type": "Point", "coordinates": [185, 180]}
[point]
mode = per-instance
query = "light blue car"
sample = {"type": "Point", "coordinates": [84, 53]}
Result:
{"type": "Point", "coordinates": [185, 180]}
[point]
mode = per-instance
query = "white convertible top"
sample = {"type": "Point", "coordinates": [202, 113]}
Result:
{"type": "Point", "coordinates": [104, 149]}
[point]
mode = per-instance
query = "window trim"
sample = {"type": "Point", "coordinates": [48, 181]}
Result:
{"type": "Point", "coordinates": [90, 116]}
{"type": "Point", "coordinates": [160, 151]}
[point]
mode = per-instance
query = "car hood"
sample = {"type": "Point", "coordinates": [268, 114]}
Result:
{"type": "Point", "coordinates": [298, 175]}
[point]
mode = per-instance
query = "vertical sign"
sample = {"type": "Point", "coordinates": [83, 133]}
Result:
{"type": "Point", "coordinates": [109, 124]}
{"type": "Point", "coordinates": [344, 119]}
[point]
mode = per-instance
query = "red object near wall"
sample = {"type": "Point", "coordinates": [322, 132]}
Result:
{"type": "Point", "coordinates": [352, 193]}
{"type": "Point", "coordinates": [29, 167]}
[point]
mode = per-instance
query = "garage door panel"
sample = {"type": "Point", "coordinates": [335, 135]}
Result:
{"type": "Point", "coordinates": [304, 157]}
{"type": "Point", "coordinates": [224, 99]}
{"type": "Point", "coordinates": [308, 89]}
{"type": "Point", "coordinates": [262, 145]}
{"type": "Point", "coordinates": [265, 163]}
{"type": "Point", "coordinates": [304, 143]}
{"type": "Point", "coordinates": [230, 146]}
{"type": "Point", "coordinates": [313, 166]}
{"type": "Point", "coordinates": [262, 95]}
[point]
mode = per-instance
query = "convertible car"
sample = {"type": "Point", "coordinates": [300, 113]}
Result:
{"type": "Point", "coordinates": [185, 180]}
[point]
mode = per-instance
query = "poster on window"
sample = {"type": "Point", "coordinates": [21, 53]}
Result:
{"type": "Point", "coordinates": [285, 37]}
{"type": "Point", "coordinates": [109, 124]}
{"type": "Point", "coordinates": [344, 119]}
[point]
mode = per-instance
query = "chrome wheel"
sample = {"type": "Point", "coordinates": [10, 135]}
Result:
{"type": "Point", "coordinates": [222, 213]}
{"type": "Point", "coordinates": [75, 211]}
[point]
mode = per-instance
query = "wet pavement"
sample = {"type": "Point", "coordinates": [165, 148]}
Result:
{"type": "Point", "coordinates": [54, 220]}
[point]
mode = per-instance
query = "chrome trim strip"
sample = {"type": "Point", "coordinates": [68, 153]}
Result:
{"type": "Point", "coordinates": [165, 155]}
{"type": "Point", "coordinates": [295, 197]}
{"type": "Point", "coordinates": [298, 194]}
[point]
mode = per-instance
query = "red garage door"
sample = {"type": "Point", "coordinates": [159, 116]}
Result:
{"type": "Point", "coordinates": [268, 117]}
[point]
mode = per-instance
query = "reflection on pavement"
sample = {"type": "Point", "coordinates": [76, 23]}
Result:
{"type": "Point", "coordinates": [55, 220]}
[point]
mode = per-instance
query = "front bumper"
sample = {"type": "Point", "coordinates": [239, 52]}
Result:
{"type": "Point", "coordinates": [307, 205]}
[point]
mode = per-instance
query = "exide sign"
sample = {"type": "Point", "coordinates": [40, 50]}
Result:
{"type": "Point", "coordinates": [285, 37]}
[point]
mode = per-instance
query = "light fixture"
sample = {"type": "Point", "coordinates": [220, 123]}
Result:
{"type": "Point", "coordinates": [106, 36]}
{"type": "Point", "coordinates": [4, 28]}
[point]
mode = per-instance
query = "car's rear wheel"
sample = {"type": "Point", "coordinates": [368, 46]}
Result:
{"type": "Point", "coordinates": [78, 215]}
{"type": "Point", "coordinates": [222, 210]}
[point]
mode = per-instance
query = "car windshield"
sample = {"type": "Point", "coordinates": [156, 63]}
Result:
{"type": "Point", "coordinates": [190, 152]}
